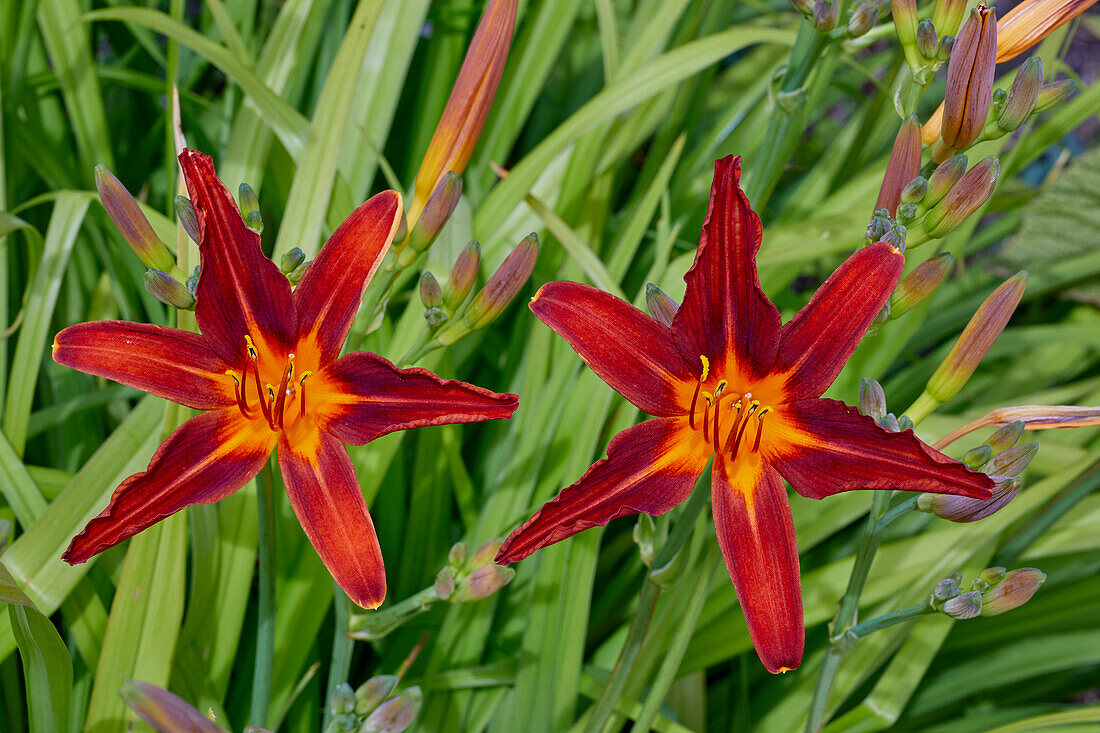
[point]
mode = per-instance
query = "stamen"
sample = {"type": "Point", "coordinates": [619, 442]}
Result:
{"type": "Point", "coordinates": [744, 423]}
{"type": "Point", "coordinates": [759, 428]}
{"type": "Point", "coordinates": [733, 431]}
{"type": "Point", "coordinates": [706, 416]}
{"type": "Point", "coordinates": [282, 392]}
{"type": "Point", "coordinates": [238, 392]}
{"type": "Point", "coordinates": [264, 406]}
{"type": "Point", "coordinates": [302, 393]}
{"type": "Point", "coordinates": [717, 402]}
{"type": "Point", "coordinates": [698, 386]}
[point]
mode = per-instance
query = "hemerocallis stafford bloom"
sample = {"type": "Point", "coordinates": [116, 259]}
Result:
{"type": "Point", "coordinates": [268, 371]}
{"type": "Point", "coordinates": [727, 379]}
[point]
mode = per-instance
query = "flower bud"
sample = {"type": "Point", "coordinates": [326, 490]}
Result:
{"type": "Point", "coordinates": [250, 208]}
{"type": "Point", "coordinates": [976, 339]}
{"type": "Point", "coordinates": [914, 191]}
{"type": "Point", "coordinates": [905, 21]}
{"type": "Point", "coordinates": [185, 213]}
{"type": "Point", "coordinates": [1028, 23]}
{"type": "Point", "coordinates": [645, 531]}
{"type": "Point", "coordinates": [907, 213]}
{"type": "Point", "coordinates": [295, 276]}
{"type": "Point", "coordinates": [661, 307]}
{"type": "Point", "coordinates": [872, 399]}
{"type": "Point", "coordinates": [986, 579]}
{"type": "Point", "coordinates": [436, 212]}
{"type": "Point", "coordinates": [919, 284]}
{"type": "Point", "coordinates": [964, 509]}
{"type": "Point", "coordinates": [1054, 93]}
{"type": "Point", "coordinates": [944, 178]}
{"type": "Point", "coordinates": [946, 589]}
{"type": "Point", "coordinates": [964, 606]}
{"type": "Point", "coordinates": [445, 583]}
{"type": "Point", "coordinates": [504, 284]}
{"type": "Point", "coordinates": [163, 710]}
{"type": "Point", "coordinates": [824, 15]}
{"type": "Point", "coordinates": [396, 714]}
{"type": "Point", "coordinates": [169, 290]}
{"type": "Point", "coordinates": [903, 167]}
{"type": "Point", "coordinates": [371, 693]}
{"type": "Point", "coordinates": [457, 555]}
{"type": "Point", "coordinates": [484, 554]}
{"type": "Point", "coordinates": [463, 276]}
{"type": "Point", "coordinates": [947, 45]}
{"type": "Point", "coordinates": [1016, 589]}
{"type": "Point", "coordinates": [1005, 437]}
{"type": "Point", "coordinates": [966, 197]}
{"type": "Point", "coordinates": [905, 423]}
{"type": "Point", "coordinates": [970, 79]}
{"type": "Point", "coordinates": [342, 700]}
{"type": "Point", "coordinates": [292, 260]}
{"type": "Point", "coordinates": [1000, 98]}
{"type": "Point", "coordinates": [1011, 461]}
{"type": "Point", "coordinates": [947, 15]}
{"type": "Point", "coordinates": [482, 583]}
{"type": "Point", "coordinates": [976, 457]}
{"type": "Point", "coordinates": [889, 422]}
{"type": "Point", "coordinates": [805, 7]}
{"type": "Point", "coordinates": [193, 280]}
{"type": "Point", "coordinates": [131, 222]}
{"type": "Point", "coordinates": [431, 295]}
{"type": "Point", "coordinates": [928, 43]}
{"type": "Point", "coordinates": [863, 18]}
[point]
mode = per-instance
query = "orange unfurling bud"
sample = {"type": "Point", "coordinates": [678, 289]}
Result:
{"type": "Point", "coordinates": [969, 81]}
{"type": "Point", "coordinates": [919, 284]}
{"type": "Point", "coordinates": [903, 167]}
{"type": "Point", "coordinates": [131, 222]}
{"type": "Point", "coordinates": [460, 126]}
{"type": "Point", "coordinates": [1033, 20]}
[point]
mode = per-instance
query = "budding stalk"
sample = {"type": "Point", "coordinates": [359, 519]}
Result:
{"type": "Point", "coordinates": [969, 81]}
{"type": "Point", "coordinates": [919, 284]}
{"type": "Point", "coordinates": [903, 167]}
{"type": "Point", "coordinates": [131, 222]}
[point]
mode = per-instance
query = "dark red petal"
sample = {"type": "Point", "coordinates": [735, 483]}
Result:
{"type": "Point", "coordinates": [206, 459]}
{"type": "Point", "coordinates": [752, 519]}
{"type": "Point", "coordinates": [326, 497]}
{"type": "Point", "coordinates": [240, 291]}
{"type": "Point", "coordinates": [823, 447]}
{"type": "Point", "coordinates": [167, 362]}
{"type": "Point", "coordinates": [329, 294]}
{"type": "Point", "coordinates": [816, 344]}
{"type": "Point", "coordinates": [649, 468]}
{"type": "Point", "coordinates": [362, 396]}
{"type": "Point", "coordinates": [626, 348]}
{"type": "Point", "coordinates": [725, 315]}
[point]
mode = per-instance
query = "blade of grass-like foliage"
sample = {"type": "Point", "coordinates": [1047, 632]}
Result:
{"type": "Point", "coordinates": [47, 669]}
{"type": "Point", "coordinates": [1086, 714]}
{"type": "Point", "coordinates": [65, 221]}
{"type": "Point", "coordinates": [609, 37]}
{"type": "Point", "coordinates": [17, 486]}
{"type": "Point", "coordinates": [10, 223]}
{"type": "Point", "coordinates": [581, 253]}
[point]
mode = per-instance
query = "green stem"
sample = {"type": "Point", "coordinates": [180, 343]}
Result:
{"type": "Point", "coordinates": [922, 408]}
{"type": "Point", "coordinates": [375, 625]}
{"type": "Point", "coordinates": [265, 628]}
{"type": "Point", "coordinates": [340, 666]}
{"type": "Point", "coordinates": [647, 602]}
{"type": "Point", "coordinates": [889, 619]}
{"type": "Point", "coordinates": [900, 510]}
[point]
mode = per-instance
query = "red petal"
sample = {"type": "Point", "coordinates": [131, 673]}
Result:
{"type": "Point", "coordinates": [362, 396]}
{"type": "Point", "coordinates": [326, 497]}
{"type": "Point", "coordinates": [167, 362]}
{"type": "Point", "coordinates": [823, 447]}
{"type": "Point", "coordinates": [752, 519]}
{"type": "Point", "coordinates": [329, 294]}
{"type": "Point", "coordinates": [626, 348]}
{"type": "Point", "coordinates": [725, 315]}
{"type": "Point", "coordinates": [240, 291]}
{"type": "Point", "coordinates": [205, 460]}
{"type": "Point", "coordinates": [649, 468]}
{"type": "Point", "coordinates": [816, 344]}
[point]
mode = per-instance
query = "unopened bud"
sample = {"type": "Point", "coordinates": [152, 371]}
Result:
{"type": "Point", "coordinates": [944, 178]}
{"type": "Point", "coordinates": [645, 531]}
{"type": "Point", "coordinates": [396, 714]}
{"type": "Point", "coordinates": [463, 276]}
{"type": "Point", "coordinates": [295, 276]}
{"type": "Point", "coordinates": [504, 284]}
{"type": "Point", "coordinates": [441, 204]}
{"type": "Point", "coordinates": [966, 197]}
{"type": "Point", "coordinates": [185, 213]}
{"type": "Point", "coordinates": [895, 237]}
{"type": "Point", "coordinates": [903, 167]}
{"type": "Point", "coordinates": [371, 693]}
{"type": "Point", "coordinates": [445, 583]}
{"type": "Point", "coordinates": [168, 290]}
{"type": "Point", "coordinates": [805, 7]}
{"type": "Point", "coordinates": [905, 423]}
{"type": "Point", "coordinates": [986, 579]}
{"type": "Point", "coordinates": [292, 260]}
{"type": "Point", "coordinates": [964, 606]}
{"type": "Point", "coordinates": [928, 43]}
{"type": "Point", "coordinates": [872, 399]}
{"type": "Point", "coordinates": [343, 699]}
{"type": "Point", "coordinates": [914, 191]}
{"type": "Point", "coordinates": [977, 457]}
{"type": "Point", "coordinates": [250, 208]}
{"type": "Point", "coordinates": [947, 15]}
{"type": "Point", "coordinates": [963, 509]}
{"type": "Point", "coordinates": [163, 710]}
{"type": "Point", "coordinates": [863, 19]}
{"type": "Point", "coordinates": [1005, 437]}
{"type": "Point", "coordinates": [889, 422]}
{"type": "Point", "coordinates": [402, 229]}
{"type": "Point", "coordinates": [661, 307]}
{"type": "Point", "coordinates": [907, 213]}
{"type": "Point", "coordinates": [131, 222]}
{"type": "Point", "coordinates": [947, 45]}
{"type": "Point", "coordinates": [970, 79]}
{"type": "Point", "coordinates": [484, 554]}
{"type": "Point", "coordinates": [482, 583]}
{"type": "Point", "coordinates": [457, 555]}
{"type": "Point", "coordinates": [431, 295]}
{"type": "Point", "coordinates": [919, 284]}
{"type": "Point", "coordinates": [1054, 93]}
{"type": "Point", "coordinates": [1016, 589]}
{"type": "Point", "coordinates": [1011, 461]}
{"type": "Point", "coordinates": [946, 589]}
{"type": "Point", "coordinates": [905, 21]}
{"type": "Point", "coordinates": [193, 280]}
{"type": "Point", "coordinates": [824, 15]}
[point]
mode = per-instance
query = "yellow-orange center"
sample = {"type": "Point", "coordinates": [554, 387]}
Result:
{"type": "Point", "coordinates": [270, 388]}
{"type": "Point", "coordinates": [730, 419]}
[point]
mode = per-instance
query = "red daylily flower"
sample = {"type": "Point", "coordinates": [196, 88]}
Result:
{"type": "Point", "coordinates": [727, 379]}
{"type": "Point", "coordinates": [268, 369]}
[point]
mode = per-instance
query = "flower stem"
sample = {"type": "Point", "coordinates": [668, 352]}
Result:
{"type": "Point", "coordinates": [889, 619]}
{"type": "Point", "coordinates": [900, 510]}
{"type": "Point", "coordinates": [265, 628]}
{"type": "Point", "coordinates": [340, 665]}
{"type": "Point", "coordinates": [377, 624]}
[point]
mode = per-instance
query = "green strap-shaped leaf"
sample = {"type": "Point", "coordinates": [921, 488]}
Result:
{"type": "Point", "coordinates": [47, 669]}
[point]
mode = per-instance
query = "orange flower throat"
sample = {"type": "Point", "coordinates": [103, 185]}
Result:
{"type": "Point", "coordinates": [272, 401]}
{"type": "Point", "coordinates": [743, 409]}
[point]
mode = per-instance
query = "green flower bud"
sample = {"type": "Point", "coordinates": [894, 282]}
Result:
{"type": "Point", "coordinates": [292, 260]}
{"type": "Point", "coordinates": [645, 531]}
{"type": "Point", "coordinates": [805, 7]}
{"type": "Point", "coordinates": [342, 700]}
{"type": "Point", "coordinates": [431, 295]}
{"type": "Point", "coordinates": [947, 45]}
{"type": "Point", "coordinates": [863, 19]}
{"type": "Point", "coordinates": [946, 589]}
{"type": "Point", "coordinates": [457, 555]}
{"type": "Point", "coordinates": [371, 693]}
{"type": "Point", "coordinates": [919, 284]}
{"type": "Point", "coordinates": [503, 285]}
{"type": "Point", "coordinates": [977, 457]}
{"type": "Point", "coordinates": [445, 583]}
{"type": "Point", "coordinates": [295, 276]}
{"type": "Point", "coordinates": [169, 290]}
{"type": "Point", "coordinates": [661, 307]}
{"type": "Point", "coordinates": [944, 178]}
{"type": "Point", "coordinates": [905, 21]}
{"type": "Point", "coordinates": [872, 399]}
{"type": "Point", "coordinates": [824, 15]}
{"type": "Point", "coordinates": [463, 276]}
{"type": "Point", "coordinates": [928, 43]}
{"type": "Point", "coordinates": [185, 213]}
{"type": "Point", "coordinates": [1011, 461]}
{"type": "Point", "coordinates": [988, 578]}
{"type": "Point", "coordinates": [905, 423]}
{"type": "Point", "coordinates": [914, 191]}
{"type": "Point", "coordinates": [396, 714]}
{"type": "Point", "coordinates": [1005, 437]}
{"type": "Point", "coordinates": [131, 222]}
{"type": "Point", "coordinates": [1054, 93]}
{"type": "Point", "coordinates": [484, 554]}
{"type": "Point", "coordinates": [250, 208]}
{"type": "Point", "coordinates": [964, 198]}
{"type": "Point", "coordinates": [907, 213]}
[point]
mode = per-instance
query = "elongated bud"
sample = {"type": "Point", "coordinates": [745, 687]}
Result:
{"type": "Point", "coordinates": [947, 45]}
{"type": "Point", "coordinates": [970, 79]}
{"type": "Point", "coordinates": [977, 457]}
{"type": "Point", "coordinates": [914, 191]}
{"type": "Point", "coordinates": [457, 555]}
{"type": "Point", "coordinates": [1012, 461]}
{"type": "Point", "coordinates": [944, 178]}
{"type": "Point", "coordinates": [436, 212]}
{"type": "Point", "coordinates": [485, 553]}
{"type": "Point", "coordinates": [1053, 94]}
{"type": "Point", "coordinates": [131, 222]}
{"type": "Point", "coordinates": [468, 106]}
{"type": "Point", "coordinates": [169, 290]}
{"type": "Point", "coordinates": [863, 19]}
{"type": "Point", "coordinates": [1028, 23]}
{"type": "Point", "coordinates": [928, 43]}
{"type": "Point", "coordinates": [504, 284]}
{"type": "Point", "coordinates": [185, 213]}
{"type": "Point", "coordinates": [431, 295]}
{"type": "Point", "coordinates": [661, 307]}
{"type": "Point", "coordinates": [947, 15]}
{"type": "Point", "coordinates": [1006, 436]}
{"type": "Point", "coordinates": [250, 208]}
{"type": "Point", "coordinates": [976, 339]}
{"type": "Point", "coordinates": [963, 509]}
{"type": "Point", "coordinates": [482, 583]}
{"type": "Point", "coordinates": [905, 22]}
{"type": "Point", "coordinates": [163, 710]}
{"type": "Point", "coordinates": [963, 606]}
{"type": "Point", "coordinates": [371, 693]}
{"type": "Point", "coordinates": [919, 284]}
{"type": "Point", "coordinates": [964, 198]}
{"type": "Point", "coordinates": [1016, 589]}
{"type": "Point", "coordinates": [872, 399]}
{"type": "Point", "coordinates": [824, 15]}
{"type": "Point", "coordinates": [1023, 95]}
{"type": "Point", "coordinates": [903, 167]}
{"type": "Point", "coordinates": [463, 276]}
{"type": "Point", "coordinates": [395, 714]}
{"type": "Point", "coordinates": [292, 260]}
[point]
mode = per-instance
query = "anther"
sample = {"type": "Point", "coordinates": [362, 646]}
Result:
{"type": "Point", "coordinates": [252, 354]}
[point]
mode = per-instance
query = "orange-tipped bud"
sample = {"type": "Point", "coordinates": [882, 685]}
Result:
{"type": "Point", "coordinates": [976, 339]}
{"type": "Point", "coordinates": [1054, 93]}
{"type": "Point", "coordinates": [373, 692]}
{"type": "Point", "coordinates": [660, 305]}
{"type": "Point", "coordinates": [919, 284]}
{"type": "Point", "coordinates": [970, 80]}
{"type": "Point", "coordinates": [185, 213]}
{"type": "Point", "coordinates": [1022, 96]}
{"type": "Point", "coordinates": [436, 212]}
{"type": "Point", "coordinates": [132, 224]}
{"type": "Point", "coordinates": [460, 126]}
{"type": "Point", "coordinates": [964, 198]}
{"type": "Point", "coordinates": [1014, 590]}
{"type": "Point", "coordinates": [168, 290]}
{"type": "Point", "coordinates": [947, 15]}
{"type": "Point", "coordinates": [163, 710]}
{"type": "Point", "coordinates": [903, 167]}
{"type": "Point", "coordinates": [943, 179]}
{"type": "Point", "coordinates": [1032, 21]}
{"type": "Point", "coordinates": [395, 714]}
{"type": "Point", "coordinates": [463, 276]}
{"type": "Point", "coordinates": [249, 204]}
{"type": "Point", "coordinates": [504, 284]}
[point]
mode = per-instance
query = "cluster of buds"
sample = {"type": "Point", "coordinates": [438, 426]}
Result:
{"type": "Point", "coordinates": [470, 577]}
{"type": "Point", "coordinates": [373, 708]}
{"type": "Point", "coordinates": [927, 43]}
{"type": "Point", "coordinates": [169, 713]}
{"type": "Point", "coordinates": [933, 207]}
{"type": "Point", "coordinates": [872, 403]}
{"type": "Point", "coordinates": [1003, 460]}
{"type": "Point", "coordinates": [993, 591]}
